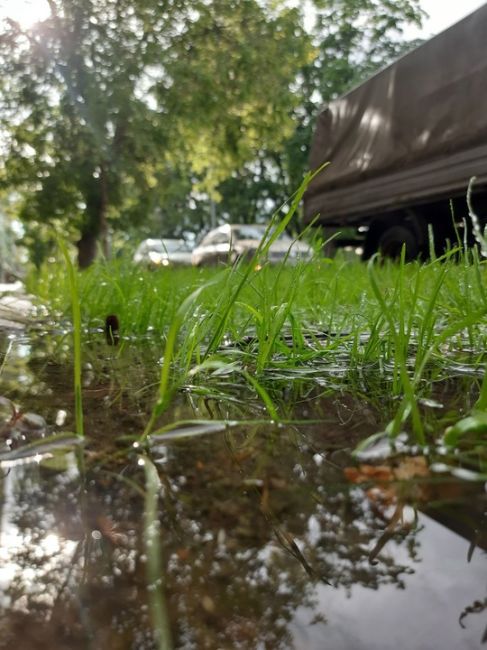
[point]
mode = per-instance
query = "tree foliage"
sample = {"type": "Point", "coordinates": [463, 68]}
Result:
{"type": "Point", "coordinates": [139, 115]}
{"type": "Point", "coordinates": [234, 66]}
{"type": "Point", "coordinates": [77, 129]}
{"type": "Point", "coordinates": [352, 39]}
{"type": "Point", "coordinates": [106, 101]}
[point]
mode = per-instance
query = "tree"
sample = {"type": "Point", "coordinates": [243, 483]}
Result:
{"type": "Point", "coordinates": [352, 40]}
{"type": "Point", "coordinates": [76, 129]}
{"type": "Point", "coordinates": [234, 66]}
{"type": "Point", "coordinates": [106, 101]}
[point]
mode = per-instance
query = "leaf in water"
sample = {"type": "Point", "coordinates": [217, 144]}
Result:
{"type": "Point", "coordinates": [387, 493]}
{"type": "Point", "coordinates": [44, 447]}
{"type": "Point", "coordinates": [407, 468]}
{"type": "Point", "coordinates": [208, 604]}
{"type": "Point", "coordinates": [364, 473]}
{"type": "Point", "coordinates": [109, 530]}
{"type": "Point", "coordinates": [411, 467]}
{"type": "Point", "coordinates": [473, 424]}
{"type": "Point", "coordinates": [286, 541]}
{"type": "Point", "coordinates": [56, 462]}
{"type": "Point", "coordinates": [467, 474]}
{"type": "Point", "coordinates": [391, 484]}
{"type": "Point", "coordinates": [476, 607]}
{"type": "Point", "coordinates": [387, 535]}
{"type": "Point", "coordinates": [183, 553]}
{"type": "Point", "coordinates": [190, 429]}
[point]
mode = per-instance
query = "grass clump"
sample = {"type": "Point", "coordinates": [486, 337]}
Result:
{"type": "Point", "coordinates": [388, 332]}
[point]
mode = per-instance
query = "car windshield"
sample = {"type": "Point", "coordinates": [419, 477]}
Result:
{"type": "Point", "coordinates": [173, 245]}
{"type": "Point", "coordinates": [168, 245]}
{"type": "Point", "coordinates": [254, 232]}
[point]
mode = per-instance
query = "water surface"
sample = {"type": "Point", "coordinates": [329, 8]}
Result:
{"type": "Point", "coordinates": [250, 534]}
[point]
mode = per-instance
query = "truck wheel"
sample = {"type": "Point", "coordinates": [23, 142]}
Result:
{"type": "Point", "coordinates": [392, 240]}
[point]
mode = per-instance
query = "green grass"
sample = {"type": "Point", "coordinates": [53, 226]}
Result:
{"type": "Point", "coordinates": [388, 332]}
{"type": "Point", "coordinates": [76, 312]}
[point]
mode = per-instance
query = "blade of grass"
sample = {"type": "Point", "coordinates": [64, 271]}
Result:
{"type": "Point", "coordinates": [154, 569]}
{"type": "Point", "coordinates": [275, 228]}
{"type": "Point", "coordinates": [164, 392]}
{"type": "Point", "coordinates": [263, 394]}
{"type": "Point", "coordinates": [76, 311]}
{"type": "Point", "coordinates": [409, 403]}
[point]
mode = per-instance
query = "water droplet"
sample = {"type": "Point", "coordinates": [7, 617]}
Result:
{"type": "Point", "coordinates": [61, 417]}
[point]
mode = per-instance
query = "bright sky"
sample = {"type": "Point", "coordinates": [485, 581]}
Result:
{"type": "Point", "coordinates": [442, 14]}
{"type": "Point", "coordinates": [26, 12]}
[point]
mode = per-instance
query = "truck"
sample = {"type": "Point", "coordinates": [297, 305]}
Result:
{"type": "Point", "coordinates": [403, 147]}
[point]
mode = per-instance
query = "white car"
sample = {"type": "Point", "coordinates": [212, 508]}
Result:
{"type": "Point", "coordinates": [163, 252]}
{"type": "Point", "coordinates": [228, 243]}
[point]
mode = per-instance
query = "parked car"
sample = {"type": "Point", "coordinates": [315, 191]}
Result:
{"type": "Point", "coordinates": [230, 242]}
{"type": "Point", "coordinates": [163, 252]}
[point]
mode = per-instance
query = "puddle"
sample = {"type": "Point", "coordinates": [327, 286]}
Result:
{"type": "Point", "coordinates": [224, 534]}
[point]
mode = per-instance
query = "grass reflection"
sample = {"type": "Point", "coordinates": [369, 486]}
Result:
{"type": "Point", "coordinates": [155, 571]}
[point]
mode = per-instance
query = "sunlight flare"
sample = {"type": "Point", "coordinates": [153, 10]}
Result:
{"type": "Point", "coordinates": [26, 12]}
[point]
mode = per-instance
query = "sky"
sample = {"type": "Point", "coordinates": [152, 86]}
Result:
{"type": "Point", "coordinates": [443, 13]}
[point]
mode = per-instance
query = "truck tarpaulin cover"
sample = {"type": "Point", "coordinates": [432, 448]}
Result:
{"type": "Point", "coordinates": [415, 131]}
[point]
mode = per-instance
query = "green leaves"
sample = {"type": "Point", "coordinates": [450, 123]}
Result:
{"type": "Point", "coordinates": [475, 424]}
{"type": "Point", "coordinates": [83, 141]}
{"type": "Point", "coordinates": [233, 67]}
{"type": "Point", "coordinates": [131, 115]}
{"type": "Point", "coordinates": [472, 428]}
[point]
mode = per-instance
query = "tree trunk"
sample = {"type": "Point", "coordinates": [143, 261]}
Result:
{"type": "Point", "coordinates": [86, 249]}
{"type": "Point", "coordinates": [103, 233]}
{"type": "Point", "coordinates": [95, 228]}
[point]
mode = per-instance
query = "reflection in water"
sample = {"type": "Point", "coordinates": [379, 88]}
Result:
{"type": "Point", "coordinates": [423, 615]}
{"type": "Point", "coordinates": [156, 571]}
{"type": "Point", "coordinates": [252, 537]}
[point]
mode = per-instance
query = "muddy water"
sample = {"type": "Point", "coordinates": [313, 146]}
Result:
{"type": "Point", "coordinates": [256, 535]}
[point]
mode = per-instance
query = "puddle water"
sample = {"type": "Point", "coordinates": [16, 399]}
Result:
{"type": "Point", "coordinates": [228, 535]}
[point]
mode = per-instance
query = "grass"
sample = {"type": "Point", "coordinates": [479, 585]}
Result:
{"type": "Point", "coordinates": [266, 363]}
{"type": "Point", "coordinates": [256, 347]}
{"type": "Point", "coordinates": [76, 311]}
{"type": "Point", "coordinates": [338, 324]}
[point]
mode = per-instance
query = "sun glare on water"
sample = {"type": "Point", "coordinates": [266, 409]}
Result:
{"type": "Point", "coordinates": [25, 12]}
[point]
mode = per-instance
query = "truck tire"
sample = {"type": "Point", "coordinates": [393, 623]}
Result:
{"type": "Point", "coordinates": [392, 240]}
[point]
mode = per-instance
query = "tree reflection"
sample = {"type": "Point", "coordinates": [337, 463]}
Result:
{"type": "Point", "coordinates": [248, 530]}
{"type": "Point", "coordinates": [252, 521]}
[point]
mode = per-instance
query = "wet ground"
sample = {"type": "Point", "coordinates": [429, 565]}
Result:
{"type": "Point", "coordinates": [231, 531]}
